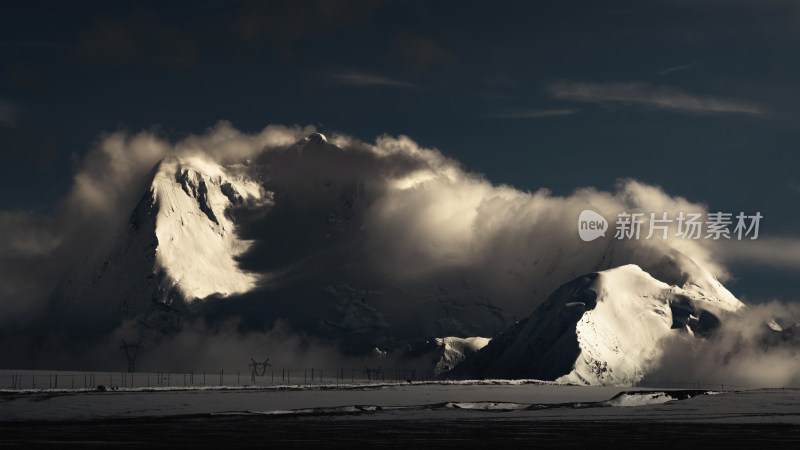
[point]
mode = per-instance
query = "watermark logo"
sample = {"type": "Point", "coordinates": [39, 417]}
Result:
{"type": "Point", "coordinates": [714, 226]}
{"type": "Point", "coordinates": [591, 225]}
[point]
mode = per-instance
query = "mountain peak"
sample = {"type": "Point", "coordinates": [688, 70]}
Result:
{"type": "Point", "coordinates": [180, 242]}
{"type": "Point", "coordinates": [193, 196]}
{"type": "Point", "coordinates": [602, 328]}
{"type": "Point", "coordinates": [312, 140]}
{"type": "Point", "coordinates": [317, 138]}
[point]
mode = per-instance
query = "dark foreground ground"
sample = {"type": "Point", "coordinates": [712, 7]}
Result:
{"type": "Point", "coordinates": [261, 431]}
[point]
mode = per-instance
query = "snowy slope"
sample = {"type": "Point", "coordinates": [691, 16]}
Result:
{"type": "Point", "coordinates": [178, 245]}
{"type": "Point", "coordinates": [603, 328]}
{"type": "Point", "coordinates": [198, 244]}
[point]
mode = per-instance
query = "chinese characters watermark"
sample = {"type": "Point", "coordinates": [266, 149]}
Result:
{"type": "Point", "coordinates": [715, 225]}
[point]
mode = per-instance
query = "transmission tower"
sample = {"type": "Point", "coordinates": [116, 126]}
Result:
{"type": "Point", "coordinates": [130, 353]}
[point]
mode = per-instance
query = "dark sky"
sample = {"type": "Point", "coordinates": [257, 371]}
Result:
{"type": "Point", "coordinates": [699, 97]}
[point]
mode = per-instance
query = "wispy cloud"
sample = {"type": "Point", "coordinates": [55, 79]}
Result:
{"type": "Point", "coordinates": [662, 97]}
{"type": "Point", "coordinates": [366, 79]}
{"type": "Point", "coordinates": [533, 113]}
{"type": "Point", "coordinates": [778, 252]}
{"type": "Point", "coordinates": [8, 113]}
{"type": "Point", "coordinates": [670, 70]}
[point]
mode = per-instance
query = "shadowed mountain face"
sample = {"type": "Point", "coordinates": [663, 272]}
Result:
{"type": "Point", "coordinates": [543, 346]}
{"type": "Point", "coordinates": [208, 241]}
{"type": "Point", "coordinates": [686, 316]}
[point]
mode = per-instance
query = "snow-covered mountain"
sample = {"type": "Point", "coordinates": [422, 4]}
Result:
{"type": "Point", "coordinates": [437, 354]}
{"type": "Point", "coordinates": [602, 328]}
{"type": "Point", "coordinates": [180, 254]}
{"type": "Point", "coordinates": [287, 238]}
{"type": "Point", "coordinates": [454, 350]}
{"type": "Point", "coordinates": [180, 244]}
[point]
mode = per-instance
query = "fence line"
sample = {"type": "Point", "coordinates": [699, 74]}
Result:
{"type": "Point", "coordinates": [18, 380]}
{"type": "Point", "coordinates": [270, 377]}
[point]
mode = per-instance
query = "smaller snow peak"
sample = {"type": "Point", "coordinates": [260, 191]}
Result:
{"type": "Point", "coordinates": [317, 138]}
{"type": "Point", "coordinates": [310, 141]}
{"type": "Point", "coordinates": [604, 328]}
{"type": "Point", "coordinates": [454, 350]}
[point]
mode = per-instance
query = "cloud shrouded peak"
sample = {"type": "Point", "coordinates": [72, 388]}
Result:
{"type": "Point", "coordinates": [364, 243]}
